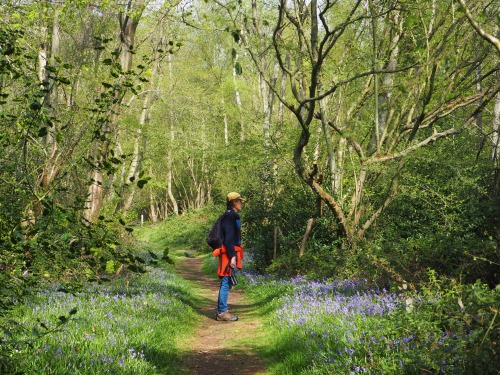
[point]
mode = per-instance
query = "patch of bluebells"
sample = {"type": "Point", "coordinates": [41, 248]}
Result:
{"type": "Point", "coordinates": [111, 321]}
{"type": "Point", "coordinates": [343, 327]}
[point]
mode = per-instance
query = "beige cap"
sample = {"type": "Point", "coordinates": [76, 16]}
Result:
{"type": "Point", "coordinates": [233, 196]}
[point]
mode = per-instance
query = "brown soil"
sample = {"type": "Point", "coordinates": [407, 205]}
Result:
{"type": "Point", "coordinates": [219, 347]}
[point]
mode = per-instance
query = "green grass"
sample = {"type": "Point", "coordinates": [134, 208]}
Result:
{"type": "Point", "coordinates": [186, 231]}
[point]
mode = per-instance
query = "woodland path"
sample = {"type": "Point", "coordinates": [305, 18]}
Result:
{"type": "Point", "coordinates": [219, 347]}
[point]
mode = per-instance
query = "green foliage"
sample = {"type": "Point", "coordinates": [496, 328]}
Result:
{"type": "Point", "coordinates": [326, 254]}
{"type": "Point", "coordinates": [59, 246]}
{"type": "Point", "coordinates": [288, 211]}
{"type": "Point", "coordinates": [445, 217]}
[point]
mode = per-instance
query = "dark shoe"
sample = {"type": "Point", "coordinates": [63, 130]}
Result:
{"type": "Point", "coordinates": [226, 316]}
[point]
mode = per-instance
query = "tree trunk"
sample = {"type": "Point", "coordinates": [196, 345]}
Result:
{"type": "Point", "coordinates": [309, 227]}
{"type": "Point", "coordinates": [152, 204]}
{"type": "Point", "coordinates": [170, 158]}
{"type": "Point", "coordinates": [226, 123]}
{"type": "Point", "coordinates": [47, 53]}
{"type": "Point", "coordinates": [134, 171]}
{"type": "Point", "coordinates": [495, 144]}
{"type": "Point", "coordinates": [238, 100]}
{"type": "Point", "coordinates": [135, 167]}
{"type": "Point", "coordinates": [129, 20]}
{"type": "Point", "coordinates": [495, 147]}
{"type": "Point", "coordinates": [281, 106]}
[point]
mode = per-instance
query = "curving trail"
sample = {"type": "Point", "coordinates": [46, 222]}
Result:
{"type": "Point", "coordinates": [219, 347]}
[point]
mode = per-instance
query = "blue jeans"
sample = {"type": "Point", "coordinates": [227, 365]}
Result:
{"type": "Point", "coordinates": [225, 287]}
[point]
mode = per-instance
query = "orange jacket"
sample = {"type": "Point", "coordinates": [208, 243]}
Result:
{"type": "Point", "coordinates": [224, 260]}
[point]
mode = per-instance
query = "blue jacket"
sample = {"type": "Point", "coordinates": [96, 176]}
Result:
{"type": "Point", "coordinates": [231, 228]}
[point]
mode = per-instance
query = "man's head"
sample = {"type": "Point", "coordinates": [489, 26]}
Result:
{"type": "Point", "coordinates": [234, 200]}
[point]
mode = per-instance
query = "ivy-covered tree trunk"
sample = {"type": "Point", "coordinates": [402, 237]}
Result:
{"type": "Point", "coordinates": [129, 19]}
{"type": "Point", "coordinates": [47, 66]}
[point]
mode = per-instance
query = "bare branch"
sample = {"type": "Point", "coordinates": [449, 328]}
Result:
{"type": "Point", "coordinates": [355, 77]}
{"type": "Point", "coordinates": [407, 151]}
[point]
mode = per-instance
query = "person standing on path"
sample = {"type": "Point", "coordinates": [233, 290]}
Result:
{"type": "Point", "coordinates": [231, 254]}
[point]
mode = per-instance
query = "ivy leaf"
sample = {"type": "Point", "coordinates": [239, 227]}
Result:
{"type": "Point", "coordinates": [34, 105]}
{"type": "Point", "coordinates": [42, 132]}
{"type": "Point", "coordinates": [236, 35]}
{"type": "Point", "coordinates": [64, 80]}
{"type": "Point", "coordinates": [142, 182]}
{"type": "Point", "coordinates": [238, 69]}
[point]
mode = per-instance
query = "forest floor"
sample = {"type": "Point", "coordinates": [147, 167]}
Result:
{"type": "Point", "coordinates": [215, 347]}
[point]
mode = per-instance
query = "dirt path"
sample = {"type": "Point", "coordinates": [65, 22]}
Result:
{"type": "Point", "coordinates": [219, 347]}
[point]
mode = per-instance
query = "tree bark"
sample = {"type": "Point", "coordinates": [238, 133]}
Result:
{"type": "Point", "coordinates": [303, 243]}
{"type": "Point", "coordinates": [170, 158]}
{"type": "Point", "coordinates": [238, 100]}
{"type": "Point", "coordinates": [128, 20]}
{"type": "Point", "coordinates": [49, 49]}
{"type": "Point", "coordinates": [152, 204]}
{"type": "Point", "coordinates": [495, 143]}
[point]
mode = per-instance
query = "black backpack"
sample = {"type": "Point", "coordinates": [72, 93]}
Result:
{"type": "Point", "coordinates": [215, 237]}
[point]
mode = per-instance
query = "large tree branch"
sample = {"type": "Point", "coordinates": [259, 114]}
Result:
{"type": "Point", "coordinates": [335, 86]}
{"type": "Point", "coordinates": [488, 37]}
{"type": "Point", "coordinates": [427, 99]}
{"type": "Point", "coordinates": [390, 197]}
{"type": "Point", "coordinates": [445, 109]}
{"type": "Point", "coordinates": [335, 207]}
{"type": "Point", "coordinates": [434, 137]}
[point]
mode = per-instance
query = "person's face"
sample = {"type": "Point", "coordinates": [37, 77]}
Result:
{"type": "Point", "coordinates": [237, 205]}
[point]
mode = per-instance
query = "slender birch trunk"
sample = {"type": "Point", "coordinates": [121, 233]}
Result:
{"type": "Point", "coordinates": [495, 146]}
{"type": "Point", "coordinates": [238, 99]}
{"type": "Point", "coordinates": [170, 158]}
{"type": "Point", "coordinates": [153, 212]}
